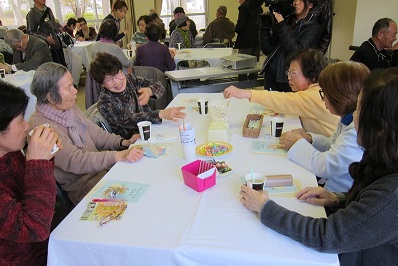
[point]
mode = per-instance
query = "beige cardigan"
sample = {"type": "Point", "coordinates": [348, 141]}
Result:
{"type": "Point", "coordinates": [306, 104]}
{"type": "Point", "coordinates": [78, 170]}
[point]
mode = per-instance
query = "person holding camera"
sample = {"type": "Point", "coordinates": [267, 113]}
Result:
{"type": "Point", "coordinates": [281, 33]}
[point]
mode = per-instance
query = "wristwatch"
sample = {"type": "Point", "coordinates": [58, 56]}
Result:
{"type": "Point", "coordinates": [341, 197]}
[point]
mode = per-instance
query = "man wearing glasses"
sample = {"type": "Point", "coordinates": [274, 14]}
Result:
{"type": "Point", "coordinates": [85, 33]}
{"type": "Point", "coordinates": [29, 52]}
{"type": "Point", "coordinates": [379, 51]}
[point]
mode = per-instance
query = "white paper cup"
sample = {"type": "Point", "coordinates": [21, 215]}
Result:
{"type": "Point", "coordinates": [188, 142]}
{"type": "Point", "coordinates": [255, 181]}
{"type": "Point", "coordinates": [145, 129]}
{"type": "Point", "coordinates": [277, 126]}
{"type": "Point", "coordinates": [55, 148]}
{"type": "Point", "coordinates": [203, 105]}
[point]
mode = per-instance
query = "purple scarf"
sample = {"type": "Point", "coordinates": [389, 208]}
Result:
{"type": "Point", "coordinates": [68, 119]}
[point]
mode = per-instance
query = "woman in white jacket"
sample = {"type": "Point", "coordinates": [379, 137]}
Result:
{"type": "Point", "coordinates": [329, 158]}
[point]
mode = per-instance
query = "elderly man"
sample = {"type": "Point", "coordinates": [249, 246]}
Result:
{"type": "Point", "coordinates": [29, 52]}
{"type": "Point", "coordinates": [178, 11]}
{"type": "Point", "coordinates": [221, 28]}
{"type": "Point", "coordinates": [378, 51]}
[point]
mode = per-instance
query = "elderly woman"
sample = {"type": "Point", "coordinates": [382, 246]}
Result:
{"type": "Point", "coordinates": [329, 158]}
{"type": "Point", "coordinates": [27, 183]}
{"type": "Point", "coordinates": [88, 150]}
{"type": "Point", "coordinates": [124, 101]}
{"type": "Point", "coordinates": [108, 31]}
{"type": "Point", "coordinates": [363, 231]}
{"type": "Point", "coordinates": [303, 74]}
{"type": "Point", "coordinates": [154, 53]}
{"type": "Point", "coordinates": [182, 34]}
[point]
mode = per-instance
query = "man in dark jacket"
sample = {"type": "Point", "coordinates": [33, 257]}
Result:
{"type": "Point", "coordinates": [172, 25]}
{"type": "Point", "coordinates": [220, 28]}
{"type": "Point", "coordinates": [247, 28]}
{"type": "Point", "coordinates": [35, 50]}
{"type": "Point", "coordinates": [323, 14]}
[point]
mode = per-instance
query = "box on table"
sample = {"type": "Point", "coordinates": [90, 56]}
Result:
{"type": "Point", "coordinates": [192, 175]}
{"type": "Point", "coordinates": [218, 131]}
{"type": "Point", "coordinates": [252, 132]}
{"type": "Point", "coordinates": [278, 180]}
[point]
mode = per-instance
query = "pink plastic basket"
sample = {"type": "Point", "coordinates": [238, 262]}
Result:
{"type": "Point", "coordinates": [191, 171]}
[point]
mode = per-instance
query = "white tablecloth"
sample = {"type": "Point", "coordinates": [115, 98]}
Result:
{"type": "Point", "coordinates": [23, 80]}
{"type": "Point", "coordinates": [84, 49]}
{"type": "Point", "coordinates": [175, 225]}
{"type": "Point", "coordinates": [211, 55]}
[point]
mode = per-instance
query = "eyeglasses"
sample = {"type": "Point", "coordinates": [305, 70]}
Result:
{"type": "Point", "coordinates": [292, 74]}
{"type": "Point", "coordinates": [115, 78]}
{"type": "Point", "coordinates": [322, 94]}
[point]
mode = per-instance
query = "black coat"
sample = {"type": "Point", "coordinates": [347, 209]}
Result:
{"type": "Point", "coordinates": [283, 39]}
{"type": "Point", "coordinates": [247, 25]}
{"type": "Point", "coordinates": [323, 14]}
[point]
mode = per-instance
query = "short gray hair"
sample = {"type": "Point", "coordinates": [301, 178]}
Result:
{"type": "Point", "coordinates": [222, 10]}
{"type": "Point", "coordinates": [45, 81]}
{"type": "Point", "coordinates": [13, 36]}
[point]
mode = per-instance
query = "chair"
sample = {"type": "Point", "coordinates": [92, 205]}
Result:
{"type": "Point", "coordinates": [63, 206]}
{"type": "Point", "coordinates": [97, 118]}
{"type": "Point", "coordinates": [184, 64]}
{"type": "Point", "coordinates": [215, 45]}
{"type": "Point", "coordinates": [223, 40]}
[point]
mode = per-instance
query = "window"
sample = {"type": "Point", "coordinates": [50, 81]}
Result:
{"type": "Point", "coordinates": [92, 10]}
{"type": "Point", "coordinates": [194, 9]}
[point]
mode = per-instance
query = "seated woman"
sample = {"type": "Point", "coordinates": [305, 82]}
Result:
{"type": "Point", "coordinates": [124, 101]}
{"type": "Point", "coordinates": [329, 158]}
{"type": "Point", "coordinates": [181, 35]}
{"type": "Point", "coordinates": [363, 230]}
{"type": "Point", "coordinates": [85, 33]}
{"type": "Point", "coordinates": [154, 53]}
{"type": "Point", "coordinates": [88, 150]}
{"type": "Point", "coordinates": [303, 74]}
{"type": "Point", "coordinates": [108, 31]}
{"type": "Point", "coordinates": [139, 36]}
{"type": "Point", "coordinates": [27, 183]}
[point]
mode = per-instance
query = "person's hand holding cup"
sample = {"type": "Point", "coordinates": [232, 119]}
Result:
{"type": "Point", "coordinates": [43, 143]}
{"type": "Point", "coordinates": [255, 181]}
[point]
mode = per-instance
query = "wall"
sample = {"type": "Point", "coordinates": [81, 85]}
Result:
{"type": "Point", "coordinates": [368, 12]}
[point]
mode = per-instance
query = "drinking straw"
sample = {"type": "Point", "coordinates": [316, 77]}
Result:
{"type": "Point", "coordinates": [183, 124]}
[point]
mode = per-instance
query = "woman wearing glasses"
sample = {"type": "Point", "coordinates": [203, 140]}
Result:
{"type": "Point", "coordinates": [304, 101]}
{"type": "Point", "coordinates": [329, 158]}
{"type": "Point", "coordinates": [124, 100]}
{"type": "Point", "coordinates": [363, 231]}
{"type": "Point", "coordinates": [88, 151]}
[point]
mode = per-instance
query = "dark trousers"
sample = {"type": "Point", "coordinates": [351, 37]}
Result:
{"type": "Point", "coordinates": [58, 56]}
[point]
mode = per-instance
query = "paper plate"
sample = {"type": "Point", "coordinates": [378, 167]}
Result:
{"type": "Point", "coordinates": [214, 149]}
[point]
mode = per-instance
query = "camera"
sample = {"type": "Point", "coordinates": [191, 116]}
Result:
{"type": "Point", "coordinates": [283, 7]}
{"type": "Point", "coordinates": [66, 39]}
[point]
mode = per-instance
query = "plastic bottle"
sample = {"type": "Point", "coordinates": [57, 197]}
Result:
{"type": "Point", "coordinates": [133, 45]}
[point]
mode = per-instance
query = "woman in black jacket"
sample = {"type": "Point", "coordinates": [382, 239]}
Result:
{"type": "Point", "coordinates": [286, 36]}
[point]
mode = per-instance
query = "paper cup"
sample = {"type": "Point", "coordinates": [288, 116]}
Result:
{"type": "Point", "coordinates": [203, 106]}
{"type": "Point", "coordinates": [145, 129]}
{"type": "Point", "coordinates": [188, 142]}
{"type": "Point", "coordinates": [55, 148]}
{"type": "Point", "coordinates": [255, 181]}
{"type": "Point", "coordinates": [277, 126]}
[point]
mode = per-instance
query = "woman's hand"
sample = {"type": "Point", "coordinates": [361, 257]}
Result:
{"type": "Point", "coordinates": [50, 40]}
{"type": "Point", "coordinates": [129, 155]}
{"type": "Point", "coordinates": [172, 113]}
{"type": "Point", "coordinates": [288, 139]}
{"type": "Point", "coordinates": [132, 140]}
{"type": "Point", "coordinates": [278, 17]}
{"type": "Point", "coordinates": [233, 91]}
{"type": "Point", "coordinates": [252, 199]}
{"type": "Point", "coordinates": [173, 52]}
{"type": "Point", "coordinates": [318, 196]}
{"type": "Point", "coordinates": [144, 95]}
{"type": "Point", "coordinates": [41, 143]}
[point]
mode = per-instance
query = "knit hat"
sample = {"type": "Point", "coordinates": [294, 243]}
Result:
{"type": "Point", "coordinates": [179, 21]}
{"type": "Point", "coordinates": [3, 30]}
{"type": "Point", "coordinates": [179, 10]}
